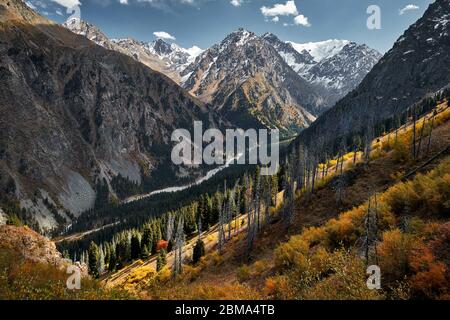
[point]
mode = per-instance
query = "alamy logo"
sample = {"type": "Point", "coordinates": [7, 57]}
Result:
{"type": "Point", "coordinates": [74, 280]}
{"type": "Point", "coordinates": [374, 20]}
{"type": "Point", "coordinates": [229, 149]}
{"type": "Point", "coordinates": [374, 280]}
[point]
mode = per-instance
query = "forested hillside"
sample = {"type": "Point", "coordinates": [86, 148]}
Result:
{"type": "Point", "coordinates": [307, 233]}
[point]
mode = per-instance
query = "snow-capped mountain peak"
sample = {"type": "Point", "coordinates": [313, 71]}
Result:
{"type": "Point", "coordinates": [173, 55]}
{"type": "Point", "coordinates": [170, 59]}
{"type": "Point", "coordinates": [337, 66]}
{"type": "Point", "coordinates": [320, 50]}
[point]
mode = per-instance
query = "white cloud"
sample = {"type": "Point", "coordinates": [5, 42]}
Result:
{"type": "Point", "coordinates": [163, 35]}
{"type": "Point", "coordinates": [194, 51]}
{"type": "Point", "coordinates": [301, 20]}
{"type": "Point", "coordinates": [280, 10]}
{"type": "Point", "coordinates": [236, 3]}
{"type": "Point", "coordinates": [68, 3]}
{"type": "Point", "coordinates": [409, 7]}
{"type": "Point", "coordinates": [276, 19]}
{"type": "Point", "coordinates": [30, 5]}
{"type": "Point", "coordinates": [123, 1]}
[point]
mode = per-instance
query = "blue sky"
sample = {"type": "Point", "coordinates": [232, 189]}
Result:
{"type": "Point", "coordinates": [205, 22]}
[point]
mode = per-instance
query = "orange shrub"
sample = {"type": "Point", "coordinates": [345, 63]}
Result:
{"type": "Point", "coordinates": [292, 253]}
{"type": "Point", "coordinates": [429, 279]}
{"type": "Point", "coordinates": [277, 288]}
{"type": "Point", "coordinates": [394, 251]}
{"type": "Point", "coordinates": [347, 228]}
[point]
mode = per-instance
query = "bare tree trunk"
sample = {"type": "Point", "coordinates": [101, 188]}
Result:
{"type": "Point", "coordinates": [414, 133]}
{"type": "Point", "coordinates": [420, 137]}
{"type": "Point", "coordinates": [314, 176]}
{"type": "Point", "coordinates": [323, 169]}
{"type": "Point", "coordinates": [430, 136]}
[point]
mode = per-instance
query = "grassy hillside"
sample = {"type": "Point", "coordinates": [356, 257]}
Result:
{"type": "Point", "coordinates": [322, 254]}
{"type": "Point", "coordinates": [32, 269]}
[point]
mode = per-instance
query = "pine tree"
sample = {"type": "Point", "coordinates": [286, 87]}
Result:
{"type": "Point", "coordinates": [161, 260]}
{"type": "Point", "coordinates": [147, 241]}
{"type": "Point", "coordinates": [199, 251]}
{"type": "Point", "coordinates": [135, 246]}
{"type": "Point", "coordinates": [122, 251]}
{"type": "Point", "coordinates": [112, 261]}
{"type": "Point", "coordinates": [93, 259]}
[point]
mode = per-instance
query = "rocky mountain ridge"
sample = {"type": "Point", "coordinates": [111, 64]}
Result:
{"type": "Point", "coordinates": [75, 116]}
{"type": "Point", "coordinates": [417, 65]}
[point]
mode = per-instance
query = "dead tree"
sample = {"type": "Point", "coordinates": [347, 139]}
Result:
{"type": "Point", "coordinates": [414, 132]}
{"type": "Point", "coordinates": [238, 211]}
{"type": "Point", "coordinates": [179, 244]}
{"type": "Point", "coordinates": [169, 226]}
{"type": "Point", "coordinates": [420, 138]}
{"type": "Point", "coordinates": [368, 143]}
{"type": "Point", "coordinates": [430, 135]}
{"type": "Point", "coordinates": [371, 232]}
{"type": "Point", "coordinates": [251, 228]}
{"type": "Point", "coordinates": [221, 231]}
{"type": "Point", "coordinates": [267, 199]}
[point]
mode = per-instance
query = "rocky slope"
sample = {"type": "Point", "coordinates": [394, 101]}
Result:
{"type": "Point", "coordinates": [133, 48]}
{"type": "Point", "coordinates": [74, 113]}
{"type": "Point", "coordinates": [175, 57]}
{"type": "Point", "coordinates": [169, 59]}
{"type": "Point", "coordinates": [249, 83]}
{"type": "Point", "coordinates": [337, 66]}
{"type": "Point", "coordinates": [33, 247]}
{"type": "Point", "coordinates": [418, 63]}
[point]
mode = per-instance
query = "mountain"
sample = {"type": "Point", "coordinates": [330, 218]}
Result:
{"type": "Point", "coordinates": [337, 66]}
{"type": "Point", "coordinates": [176, 57]}
{"type": "Point", "coordinates": [418, 63]}
{"type": "Point", "coordinates": [249, 83]}
{"type": "Point", "coordinates": [169, 59]}
{"type": "Point", "coordinates": [75, 116]}
{"type": "Point", "coordinates": [89, 31]}
{"type": "Point", "coordinates": [138, 51]}
{"type": "Point", "coordinates": [330, 69]}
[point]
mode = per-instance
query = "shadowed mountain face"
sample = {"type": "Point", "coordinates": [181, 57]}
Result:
{"type": "Point", "coordinates": [74, 113]}
{"type": "Point", "coordinates": [419, 63]}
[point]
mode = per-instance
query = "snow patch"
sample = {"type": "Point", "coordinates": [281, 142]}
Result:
{"type": "Point", "coordinates": [321, 50]}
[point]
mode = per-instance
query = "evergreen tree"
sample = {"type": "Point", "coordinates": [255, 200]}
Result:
{"type": "Point", "coordinates": [93, 259]}
{"type": "Point", "coordinates": [161, 260]}
{"type": "Point", "coordinates": [199, 251]}
{"type": "Point", "coordinates": [146, 241]}
{"type": "Point", "coordinates": [135, 246]}
{"type": "Point", "coordinates": [122, 251]}
{"type": "Point", "coordinates": [112, 261]}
